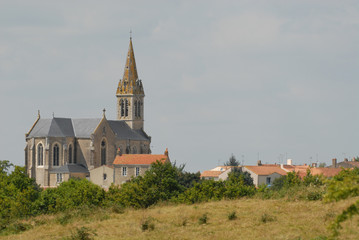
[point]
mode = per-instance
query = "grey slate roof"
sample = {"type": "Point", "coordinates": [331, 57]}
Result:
{"type": "Point", "coordinates": [83, 128]}
{"type": "Point", "coordinates": [55, 127]}
{"type": "Point", "coordinates": [70, 168]}
{"type": "Point", "coordinates": [123, 131]}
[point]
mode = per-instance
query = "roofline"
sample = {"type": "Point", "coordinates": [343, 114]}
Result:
{"type": "Point", "coordinates": [28, 133]}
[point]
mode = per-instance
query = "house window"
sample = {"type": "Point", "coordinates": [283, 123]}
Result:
{"type": "Point", "coordinates": [55, 155]}
{"type": "Point", "coordinates": [40, 155]}
{"type": "Point", "coordinates": [124, 171]}
{"type": "Point", "coordinates": [137, 171]}
{"type": "Point", "coordinates": [268, 180]}
{"type": "Point", "coordinates": [103, 152]}
{"type": "Point", "coordinates": [59, 177]}
{"type": "Point", "coordinates": [70, 154]}
{"type": "Point", "coordinates": [104, 176]}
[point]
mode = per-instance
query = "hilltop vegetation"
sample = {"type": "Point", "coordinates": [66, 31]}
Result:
{"type": "Point", "coordinates": [24, 205]}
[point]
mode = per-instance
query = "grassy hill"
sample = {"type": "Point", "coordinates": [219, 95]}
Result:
{"type": "Point", "coordinates": [255, 219]}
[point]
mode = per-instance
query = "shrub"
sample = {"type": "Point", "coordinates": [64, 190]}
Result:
{"type": "Point", "coordinates": [69, 195]}
{"type": "Point", "coordinates": [267, 218]}
{"type": "Point", "coordinates": [147, 225]}
{"type": "Point", "coordinates": [232, 216]}
{"type": "Point", "coordinates": [83, 233]}
{"type": "Point", "coordinates": [158, 184]}
{"type": "Point", "coordinates": [203, 219]}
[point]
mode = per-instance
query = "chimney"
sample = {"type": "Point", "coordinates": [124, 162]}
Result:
{"type": "Point", "coordinates": [289, 161]}
{"type": "Point", "coordinates": [334, 162]}
{"type": "Point", "coordinates": [166, 152]}
{"type": "Point", "coordinates": [314, 165]}
{"type": "Point", "coordinates": [259, 163]}
{"type": "Point", "coordinates": [119, 153]}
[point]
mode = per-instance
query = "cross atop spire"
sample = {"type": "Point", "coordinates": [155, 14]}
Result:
{"type": "Point", "coordinates": [130, 33]}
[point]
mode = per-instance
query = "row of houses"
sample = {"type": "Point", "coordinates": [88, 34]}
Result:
{"type": "Point", "coordinates": [267, 173]}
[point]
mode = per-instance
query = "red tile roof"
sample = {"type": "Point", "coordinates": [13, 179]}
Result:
{"type": "Point", "coordinates": [266, 170]}
{"type": "Point", "coordinates": [139, 159]}
{"type": "Point", "coordinates": [327, 172]}
{"type": "Point", "coordinates": [211, 173]}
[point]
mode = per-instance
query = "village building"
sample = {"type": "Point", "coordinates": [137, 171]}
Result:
{"type": "Point", "coordinates": [60, 148]}
{"type": "Point", "coordinates": [127, 166]}
{"type": "Point", "coordinates": [217, 173]}
{"type": "Point", "coordinates": [264, 174]}
{"type": "Point", "coordinates": [344, 164]}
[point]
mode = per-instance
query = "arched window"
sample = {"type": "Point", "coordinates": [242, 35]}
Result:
{"type": "Point", "coordinates": [134, 150]}
{"type": "Point", "coordinates": [128, 150]}
{"type": "Point", "coordinates": [136, 108]}
{"type": "Point", "coordinates": [55, 155]}
{"type": "Point", "coordinates": [70, 154]}
{"type": "Point", "coordinates": [126, 107]}
{"type": "Point", "coordinates": [122, 108]}
{"type": "Point", "coordinates": [103, 152]}
{"type": "Point", "coordinates": [139, 109]}
{"type": "Point", "coordinates": [40, 155]}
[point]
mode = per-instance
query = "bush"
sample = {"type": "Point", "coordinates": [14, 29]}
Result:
{"type": "Point", "coordinates": [232, 216]}
{"type": "Point", "coordinates": [147, 225]}
{"type": "Point", "coordinates": [69, 195]}
{"type": "Point", "coordinates": [203, 219]}
{"type": "Point", "coordinates": [83, 233]}
{"type": "Point", "coordinates": [158, 184]}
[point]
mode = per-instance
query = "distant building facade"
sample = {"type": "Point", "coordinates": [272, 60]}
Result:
{"type": "Point", "coordinates": [127, 166]}
{"type": "Point", "coordinates": [60, 148]}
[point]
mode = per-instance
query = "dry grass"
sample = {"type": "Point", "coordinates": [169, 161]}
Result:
{"type": "Point", "coordinates": [283, 220]}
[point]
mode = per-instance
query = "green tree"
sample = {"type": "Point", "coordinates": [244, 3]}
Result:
{"type": "Point", "coordinates": [237, 175]}
{"type": "Point", "coordinates": [69, 195]}
{"type": "Point", "coordinates": [232, 161]}
{"type": "Point", "coordinates": [160, 183]}
{"type": "Point", "coordinates": [18, 193]}
{"type": "Point", "coordinates": [343, 186]}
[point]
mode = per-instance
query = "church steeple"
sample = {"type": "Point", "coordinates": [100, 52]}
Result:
{"type": "Point", "coordinates": [130, 93]}
{"type": "Point", "coordinates": [130, 82]}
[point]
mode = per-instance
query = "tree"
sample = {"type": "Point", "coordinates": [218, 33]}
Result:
{"type": "Point", "coordinates": [160, 183]}
{"type": "Point", "coordinates": [232, 161]}
{"type": "Point", "coordinates": [237, 175]}
{"type": "Point", "coordinates": [343, 186]}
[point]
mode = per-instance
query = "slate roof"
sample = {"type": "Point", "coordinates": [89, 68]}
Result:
{"type": "Point", "coordinates": [124, 132]}
{"type": "Point", "coordinates": [70, 168]}
{"type": "Point", "coordinates": [83, 128]}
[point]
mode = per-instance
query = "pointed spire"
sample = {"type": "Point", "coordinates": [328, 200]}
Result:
{"type": "Point", "coordinates": [130, 73]}
{"type": "Point", "coordinates": [130, 82]}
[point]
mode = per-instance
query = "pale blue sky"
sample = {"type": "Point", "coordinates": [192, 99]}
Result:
{"type": "Point", "coordinates": [244, 77]}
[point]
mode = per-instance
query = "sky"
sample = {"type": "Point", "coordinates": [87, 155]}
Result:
{"type": "Point", "coordinates": [264, 80]}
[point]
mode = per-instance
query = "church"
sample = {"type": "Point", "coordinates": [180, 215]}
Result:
{"type": "Point", "coordinates": [60, 148]}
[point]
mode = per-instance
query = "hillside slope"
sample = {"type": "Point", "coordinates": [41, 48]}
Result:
{"type": "Point", "coordinates": [256, 219]}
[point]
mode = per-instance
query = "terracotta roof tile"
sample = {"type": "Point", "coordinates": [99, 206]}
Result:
{"type": "Point", "coordinates": [327, 172]}
{"type": "Point", "coordinates": [266, 170]}
{"type": "Point", "coordinates": [211, 173]}
{"type": "Point", "coordinates": [141, 159]}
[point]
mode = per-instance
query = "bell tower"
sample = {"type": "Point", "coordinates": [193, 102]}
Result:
{"type": "Point", "coordinates": [130, 94]}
